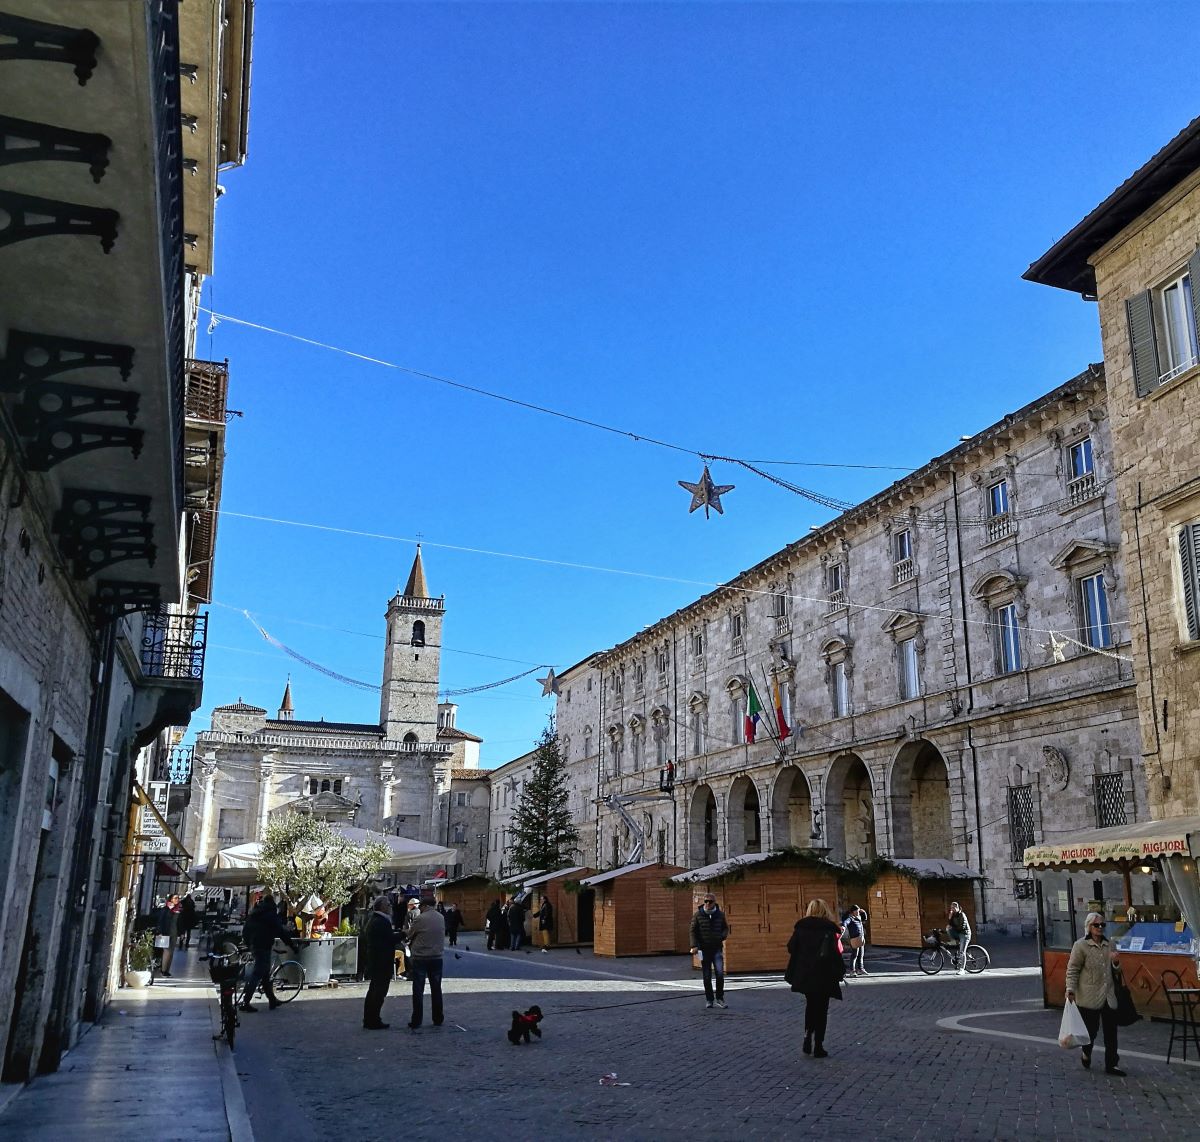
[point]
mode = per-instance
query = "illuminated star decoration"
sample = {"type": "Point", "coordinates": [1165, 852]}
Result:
{"type": "Point", "coordinates": [549, 683]}
{"type": "Point", "coordinates": [1056, 647]}
{"type": "Point", "coordinates": [706, 494]}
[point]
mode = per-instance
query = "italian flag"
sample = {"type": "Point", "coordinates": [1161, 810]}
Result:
{"type": "Point", "coordinates": [753, 712]}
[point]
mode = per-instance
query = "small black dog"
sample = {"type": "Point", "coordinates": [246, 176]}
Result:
{"type": "Point", "coordinates": [524, 1025]}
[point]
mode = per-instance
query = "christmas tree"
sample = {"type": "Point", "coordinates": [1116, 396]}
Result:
{"type": "Point", "coordinates": [544, 836]}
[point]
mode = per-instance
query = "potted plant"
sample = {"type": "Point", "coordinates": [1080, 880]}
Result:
{"type": "Point", "coordinates": [141, 956]}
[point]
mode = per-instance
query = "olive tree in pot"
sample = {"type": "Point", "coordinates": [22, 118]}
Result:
{"type": "Point", "coordinates": [141, 957]}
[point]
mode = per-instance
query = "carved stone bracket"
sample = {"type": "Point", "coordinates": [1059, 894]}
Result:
{"type": "Point", "coordinates": [39, 356]}
{"type": "Point", "coordinates": [24, 216]}
{"type": "Point", "coordinates": [24, 141]}
{"type": "Point", "coordinates": [92, 534]}
{"type": "Point", "coordinates": [54, 43]}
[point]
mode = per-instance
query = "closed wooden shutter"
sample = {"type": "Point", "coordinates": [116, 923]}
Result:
{"type": "Point", "coordinates": [1140, 311]}
{"type": "Point", "coordinates": [1189, 557]}
{"type": "Point", "coordinates": [1194, 274]}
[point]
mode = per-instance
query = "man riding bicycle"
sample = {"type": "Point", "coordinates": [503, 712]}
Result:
{"type": "Point", "coordinates": [263, 927]}
{"type": "Point", "coordinates": [959, 929]}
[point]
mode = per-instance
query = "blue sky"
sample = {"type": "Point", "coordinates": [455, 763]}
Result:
{"type": "Point", "coordinates": [785, 231]}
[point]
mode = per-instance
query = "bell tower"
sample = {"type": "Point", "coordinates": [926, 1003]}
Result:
{"type": "Point", "coordinates": [408, 708]}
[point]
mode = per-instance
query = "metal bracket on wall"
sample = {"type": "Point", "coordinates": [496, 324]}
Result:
{"type": "Point", "coordinates": [24, 141]}
{"type": "Point", "coordinates": [93, 537]}
{"type": "Point", "coordinates": [58, 441]}
{"type": "Point", "coordinates": [39, 356]}
{"type": "Point", "coordinates": [54, 43]}
{"type": "Point", "coordinates": [24, 216]}
{"type": "Point", "coordinates": [55, 401]}
{"type": "Point", "coordinates": [116, 597]}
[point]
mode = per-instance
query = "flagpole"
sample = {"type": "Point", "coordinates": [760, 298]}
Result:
{"type": "Point", "coordinates": [774, 731]}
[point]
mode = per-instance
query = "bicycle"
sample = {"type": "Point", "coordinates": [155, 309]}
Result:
{"type": "Point", "coordinates": [937, 954]}
{"type": "Point", "coordinates": [225, 970]}
{"type": "Point", "coordinates": [287, 976]}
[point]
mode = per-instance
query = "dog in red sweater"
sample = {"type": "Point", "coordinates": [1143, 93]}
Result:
{"type": "Point", "coordinates": [525, 1024]}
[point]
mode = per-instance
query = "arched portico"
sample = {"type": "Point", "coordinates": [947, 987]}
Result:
{"type": "Point", "coordinates": [920, 799]}
{"type": "Point", "coordinates": [745, 820]}
{"type": "Point", "coordinates": [702, 827]}
{"type": "Point", "coordinates": [850, 808]}
{"type": "Point", "coordinates": [791, 810]}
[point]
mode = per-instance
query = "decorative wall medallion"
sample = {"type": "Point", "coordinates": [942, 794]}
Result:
{"type": "Point", "coordinates": [1056, 767]}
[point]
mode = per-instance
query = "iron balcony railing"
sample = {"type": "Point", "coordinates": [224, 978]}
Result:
{"type": "Point", "coordinates": [173, 646]}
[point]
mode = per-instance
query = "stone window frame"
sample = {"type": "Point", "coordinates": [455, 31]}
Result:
{"type": "Point", "coordinates": [835, 579]}
{"type": "Point", "coordinates": [698, 728]}
{"type": "Point", "coordinates": [587, 740]}
{"type": "Point", "coordinates": [784, 674]}
{"type": "Point", "coordinates": [737, 629]}
{"type": "Point", "coordinates": [660, 727]}
{"type": "Point", "coordinates": [737, 687]}
{"type": "Point", "coordinates": [906, 570]}
{"type": "Point", "coordinates": [995, 589]}
{"type": "Point", "coordinates": [639, 677]}
{"type": "Point", "coordinates": [903, 626]}
{"type": "Point", "coordinates": [998, 526]}
{"type": "Point", "coordinates": [637, 740]}
{"type": "Point", "coordinates": [837, 652]}
{"type": "Point", "coordinates": [1182, 521]}
{"type": "Point", "coordinates": [616, 742]}
{"type": "Point", "coordinates": [1076, 561]}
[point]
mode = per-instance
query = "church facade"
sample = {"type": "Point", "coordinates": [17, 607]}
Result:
{"type": "Point", "coordinates": [389, 776]}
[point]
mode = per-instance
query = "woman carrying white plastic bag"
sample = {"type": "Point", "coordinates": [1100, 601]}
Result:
{"type": "Point", "coordinates": [1072, 1031]}
{"type": "Point", "coordinates": [1090, 984]}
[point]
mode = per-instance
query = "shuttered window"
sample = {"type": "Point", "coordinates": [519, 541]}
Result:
{"type": "Point", "coordinates": [1163, 324]}
{"type": "Point", "coordinates": [1189, 558]}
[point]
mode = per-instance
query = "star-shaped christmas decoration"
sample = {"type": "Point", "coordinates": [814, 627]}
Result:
{"type": "Point", "coordinates": [706, 494]}
{"type": "Point", "coordinates": [549, 683]}
{"type": "Point", "coordinates": [1056, 648]}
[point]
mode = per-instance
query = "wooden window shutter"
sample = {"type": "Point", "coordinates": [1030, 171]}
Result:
{"type": "Point", "coordinates": [1194, 273]}
{"type": "Point", "coordinates": [1140, 311]}
{"type": "Point", "coordinates": [1189, 558]}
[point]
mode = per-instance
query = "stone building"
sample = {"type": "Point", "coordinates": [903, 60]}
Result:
{"type": "Point", "coordinates": [950, 658]}
{"type": "Point", "coordinates": [505, 784]}
{"type": "Point", "coordinates": [106, 207]}
{"type": "Point", "coordinates": [391, 775]}
{"type": "Point", "coordinates": [1138, 255]}
{"type": "Point", "coordinates": [466, 808]}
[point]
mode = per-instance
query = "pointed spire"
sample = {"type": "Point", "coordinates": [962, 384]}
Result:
{"type": "Point", "coordinates": [416, 587]}
{"type": "Point", "coordinates": [286, 709]}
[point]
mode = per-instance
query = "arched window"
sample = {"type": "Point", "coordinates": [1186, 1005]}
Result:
{"type": "Point", "coordinates": [410, 738]}
{"type": "Point", "coordinates": [418, 633]}
{"type": "Point", "coordinates": [325, 785]}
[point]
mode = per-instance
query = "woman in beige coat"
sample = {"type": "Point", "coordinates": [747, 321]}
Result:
{"type": "Point", "coordinates": [1090, 985]}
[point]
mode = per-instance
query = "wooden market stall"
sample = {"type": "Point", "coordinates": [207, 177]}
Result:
{"type": "Point", "coordinates": [913, 897]}
{"type": "Point", "coordinates": [635, 914]}
{"type": "Point", "coordinates": [762, 896]}
{"type": "Point", "coordinates": [472, 895]}
{"type": "Point", "coordinates": [1143, 879]}
{"type": "Point", "coordinates": [571, 907]}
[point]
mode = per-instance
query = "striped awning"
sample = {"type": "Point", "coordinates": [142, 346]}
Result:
{"type": "Point", "coordinates": [1174, 836]}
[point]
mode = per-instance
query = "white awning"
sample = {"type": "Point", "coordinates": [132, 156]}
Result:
{"type": "Point", "coordinates": [1175, 836]}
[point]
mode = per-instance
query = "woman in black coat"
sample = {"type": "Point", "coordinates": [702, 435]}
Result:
{"type": "Point", "coordinates": [816, 969]}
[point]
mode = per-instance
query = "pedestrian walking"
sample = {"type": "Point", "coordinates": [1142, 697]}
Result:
{"type": "Point", "coordinates": [854, 937]}
{"type": "Point", "coordinates": [379, 944]}
{"type": "Point", "coordinates": [493, 921]}
{"type": "Point", "coordinates": [545, 916]}
{"type": "Point", "coordinates": [262, 928]}
{"type": "Point", "coordinates": [453, 919]}
{"type": "Point", "coordinates": [166, 932]}
{"type": "Point", "coordinates": [816, 971]}
{"type": "Point", "coordinates": [709, 932]}
{"type": "Point", "coordinates": [516, 925]}
{"type": "Point", "coordinates": [959, 928]}
{"type": "Point", "coordinates": [1091, 986]}
{"type": "Point", "coordinates": [426, 942]}
{"type": "Point", "coordinates": [187, 920]}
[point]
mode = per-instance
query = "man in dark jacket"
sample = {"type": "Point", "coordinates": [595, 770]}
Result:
{"type": "Point", "coordinates": [379, 947]}
{"type": "Point", "coordinates": [496, 927]}
{"type": "Point", "coordinates": [709, 932]}
{"type": "Point", "coordinates": [262, 928]}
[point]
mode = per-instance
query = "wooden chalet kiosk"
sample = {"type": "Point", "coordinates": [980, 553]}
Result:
{"type": "Point", "coordinates": [912, 898]}
{"type": "Point", "coordinates": [472, 895]}
{"type": "Point", "coordinates": [572, 910]}
{"type": "Point", "coordinates": [762, 896]}
{"type": "Point", "coordinates": [635, 914]}
{"type": "Point", "coordinates": [1143, 879]}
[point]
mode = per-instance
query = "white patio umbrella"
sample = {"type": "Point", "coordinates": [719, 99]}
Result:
{"type": "Point", "coordinates": [238, 866]}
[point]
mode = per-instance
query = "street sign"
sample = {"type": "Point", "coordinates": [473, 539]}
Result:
{"type": "Point", "coordinates": [152, 838]}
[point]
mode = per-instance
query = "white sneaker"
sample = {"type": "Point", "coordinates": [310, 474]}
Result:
{"type": "Point", "coordinates": [962, 971]}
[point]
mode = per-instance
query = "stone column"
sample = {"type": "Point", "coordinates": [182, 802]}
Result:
{"type": "Point", "coordinates": [208, 777]}
{"type": "Point", "coordinates": [387, 779]}
{"type": "Point", "coordinates": [266, 770]}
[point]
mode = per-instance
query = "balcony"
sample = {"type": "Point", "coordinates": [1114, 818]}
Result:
{"type": "Point", "coordinates": [837, 601]}
{"type": "Point", "coordinates": [172, 661]}
{"type": "Point", "coordinates": [783, 624]}
{"type": "Point", "coordinates": [1082, 489]}
{"type": "Point", "coordinates": [904, 571]}
{"type": "Point", "coordinates": [998, 526]}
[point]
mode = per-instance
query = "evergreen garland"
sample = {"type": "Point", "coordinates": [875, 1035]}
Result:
{"type": "Point", "coordinates": [544, 835]}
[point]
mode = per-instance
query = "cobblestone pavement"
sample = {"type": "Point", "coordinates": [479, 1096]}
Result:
{"type": "Point", "coordinates": [310, 1070]}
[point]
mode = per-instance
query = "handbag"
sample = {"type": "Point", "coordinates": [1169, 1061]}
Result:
{"type": "Point", "coordinates": [856, 941]}
{"type": "Point", "coordinates": [1127, 1013]}
{"type": "Point", "coordinates": [1072, 1031]}
{"type": "Point", "coordinates": [162, 941]}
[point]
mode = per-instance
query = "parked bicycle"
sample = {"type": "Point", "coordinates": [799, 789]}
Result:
{"type": "Point", "coordinates": [938, 953]}
{"type": "Point", "coordinates": [227, 968]}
